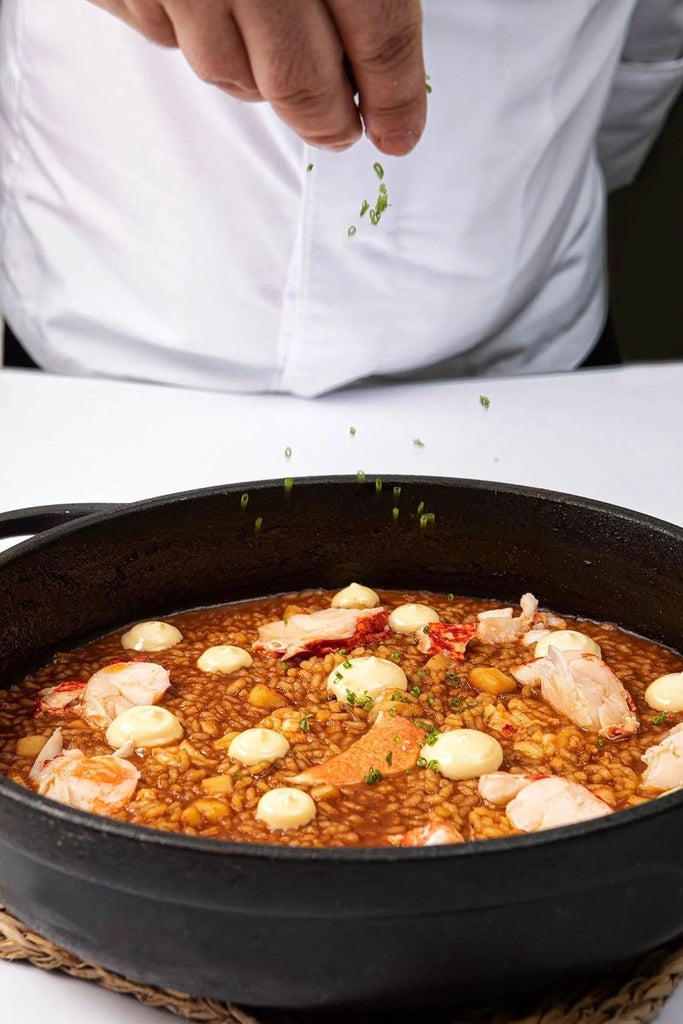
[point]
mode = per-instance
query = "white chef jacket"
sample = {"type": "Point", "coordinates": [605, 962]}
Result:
{"type": "Point", "coordinates": [152, 227]}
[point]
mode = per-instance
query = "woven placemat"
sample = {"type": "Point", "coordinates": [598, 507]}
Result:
{"type": "Point", "coordinates": [634, 994]}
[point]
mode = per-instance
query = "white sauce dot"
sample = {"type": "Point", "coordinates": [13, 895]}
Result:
{"type": "Point", "coordinates": [285, 808]}
{"type": "Point", "coordinates": [666, 693]}
{"type": "Point", "coordinates": [409, 617]}
{"type": "Point", "coordinates": [151, 636]}
{"type": "Point", "coordinates": [224, 659]}
{"type": "Point", "coordinates": [355, 596]}
{"type": "Point", "coordinates": [255, 745]}
{"type": "Point", "coordinates": [465, 754]}
{"type": "Point", "coordinates": [145, 726]}
{"type": "Point", "coordinates": [361, 677]}
{"type": "Point", "coordinates": [566, 640]}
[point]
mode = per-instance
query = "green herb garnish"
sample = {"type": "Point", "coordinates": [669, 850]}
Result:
{"type": "Point", "coordinates": [365, 206]}
{"type": "Point", "coordinates": [661, 717]}
{"type": "Point", "coordinates": [395, 656]}
{"type": "Point", "coordinates": [244, 501]}
{"type": "Point", "coordinates": [309, 168]}
{"type": "Point", "coordinates": [372, 777]}
{"type": "Point", "coordinates": [303, 724]}
{"type": "Point", "coordinates": [456, 702]}
{"type": "Point", "coordinates": [428, 87]}
{"type": "Point", "coordinates": [378, 484]}
{"type": "Point", "coordinates": [427, 519]}
{"type": "Point", "coordinates": [420, 508]}
{"type": "Point", "coordinates": [352, 431]}
{"type": "Point", "coordinates": [415, 691]}
{"type": "Point", "coordinates": [352, 230]}
{"type": "Point", "coordinates": [288, 452]}
{"type": "Point", "coordinates": [400, 697]}
{"type": "Point", "coordinates": [418, 443]}
{"type": "Point", "coordinates": [379, 170]}
{"type": "Point", "coordinates": [484, 401]}
{"type": "Point", "coordinates": [389, 758]}
{"type": "Point", "coordinates": [433, 765]}
{"type": "Point", "coordinates": [397, 494]}
{"type": "Point", "coordinates": [258, 523]}
{"type": "Point", "coordinates": [289, 484]}
{"type": "Point", "coordinates": [360, 477]}
{"type": "Point", "coordinates": [392, 712]}
{"type": "Point", "coordinates": [431, 701]}
{"type": "Point", "coordinates": [394, 514]}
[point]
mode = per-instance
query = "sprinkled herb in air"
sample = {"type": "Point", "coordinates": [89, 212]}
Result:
{"type": "Point", "coordinates": [396, 656]}
{"type": "Point", "coordinates": [420, 508]}
{"type": "Point", "coordinates": [389, 758]}
{"type": "Point", "coordinates": [352, 431]}
{"type": "Point", "coordinates": [244, 501]}
{"type": "Point", "coordinates": [378, 484]}
{"type": "Point", "coordinates": [258, 523]}
{"type": "Point", "coordinates": [418, 443]}
{"type": "Point", "coordinates": [365, 206]}
{"type": "Point", "coordinates": [288, 452]}
{"type": "Point", "coordinates": [428, 87]}
{"type": "Point", "coordinates": [659, 718]}
{"type": "Point", "coordinates": [289, 484]}
{"type": "Point", "coordinates": [303, 724]}
{"type": "Point", "coordinates": [484, 401]}
{"type": "Point", "coordinates": [427, 519]}
{"type": "Point", "coordinates": [352, 230]}
{"type": "Point", "coordinates": [415, 691]}
{"type": "Point", "coordinates": [309, 168]}
{"type": "Point", "coordinates": [397, 494]}
{"type": "Point", "coordinates": [373, 776]}
{"type": "Point", "coordinates": [379, 170]}
{"type": "Point", "coordinates": [360, 477]}
{"type": "Point", "coordinates": [395, 514]}
{"type": "Point", "coordinates": [451, 597]}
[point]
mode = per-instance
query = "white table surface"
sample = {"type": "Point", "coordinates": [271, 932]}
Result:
{"type": "Point", "coordinates": [609, 434]}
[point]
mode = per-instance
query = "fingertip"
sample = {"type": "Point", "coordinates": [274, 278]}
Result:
{"type": "Point", "coordinates": [395, 143]}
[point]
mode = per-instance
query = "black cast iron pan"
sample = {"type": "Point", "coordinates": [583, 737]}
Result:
{"type": "Point", "coordinates": [286, 927]}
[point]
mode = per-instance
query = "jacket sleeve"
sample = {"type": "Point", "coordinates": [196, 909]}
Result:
{"type": "Point", "coordinates": [646, 84]}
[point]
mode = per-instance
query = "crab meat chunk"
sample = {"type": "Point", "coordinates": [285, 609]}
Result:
{"type": "Point", "coordinates": [322, 632]}
{"type": "Point", "coordinates": [664, 762]}
{"type": "Point", "coordinates": [102, 785]}
{"type": "Point", "coordinates": [535, 803]}
{"type": "Point", "coordinates": [118, 687]}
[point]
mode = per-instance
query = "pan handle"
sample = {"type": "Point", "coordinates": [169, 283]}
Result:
{"type": "Point", "coordinates": [25, 521]}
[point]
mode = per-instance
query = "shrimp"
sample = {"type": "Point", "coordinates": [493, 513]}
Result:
{"type": "Point", "coordinates": [434, 833]}
{"type": "Point", "coordinates": [103, 784]}
{"type": "Point", "coordinates": [499, 627]}
{"type": "Point", "coordinates": [533, 803]}
{"type": "Point", "coordinates": [120, 686]}
{"type": "Point", "coordinates": [322, 632]}
{"type": "Point", "coordinates": [582, 687]}
{"type": "Point", "coordinates": [60, 700]}
{"type": "Point", "coordinates": [664, 762]}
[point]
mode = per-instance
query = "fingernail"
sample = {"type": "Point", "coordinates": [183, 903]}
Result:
{"type": "Point", "coordinates": [396, 143]}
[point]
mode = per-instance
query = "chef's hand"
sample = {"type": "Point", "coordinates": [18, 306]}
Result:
{"type": "Point", "coordinates": [290, 53]}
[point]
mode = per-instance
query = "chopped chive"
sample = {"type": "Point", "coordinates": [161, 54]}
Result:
{"type": "Point", "coordinates": [428, 87]}
{"type": "Point", "coordinates": [373, 776]}
{"type": "Point", "coordinates": [360, 477]}
{"type": "Point", "coordinates": [456, 702]}
{"type": "Point", "coordinates": [392, 712]}
{"type": "Point", "coordinates": [303, 724]}
{"type": "Point", "coordinates": [258, 523]}
{"type": "Point", "coordinates": [433, 765]}
{"type": "Point", "coordinates": [309, 168]}
{"type": "Point", "coordinates": [451, 597]}
{"type": "Point", "coordinates": [397, 494]}
{"type": "Point", "coordinates": [659, 718]}
{"type": "Point", "coordinates": [389, 758]}
{"type": "Point", "coordinates": [379, 170]}
{"type": "Point", "coordinates": [347, 665]}
{"type": "Point", "coordinates": [397, 738]}
{"type": "Point", "coordinates": [431, 701]}
{"type": "Point", "coordinates": [394, 514]}
{"type": "Point", "coordinates": [288, 452]}
{"type": "Point", "coordinates": [396, 656]}
{"type": "Point", "coordinates": [601, 742]}
{"type": "Point", "coordinates": [418, 443]}
{"type": "Point", "coordinates": [378, 484]}
{"type": "Point", "coordinates": [365, 206]}
{"type": "Point", "coordinates": [352, 431]}
{"type": "Point", "coordinates": [421, 762]}
{"type": "Point", "coordinates": [244, 501]}
{"type": "Point", "coordinates": [374, 217]}
{"type": "Point", "coordinates": [427, 519]}
{"type": "Point", "coordinates": [289, 484]}
{"type": "Point", "coordinates": [425, 629]}
{"type": "Point", "coordinates": [420, 508]}
{"type": "Point", "coordinates": [352, 230]}
{"type": "Point", "coordinates": [484, 401]}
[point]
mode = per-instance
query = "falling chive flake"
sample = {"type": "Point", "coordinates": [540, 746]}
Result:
{"type": "Point", "coordinates": [394, 514]}
{"type": "Point", "coordinates": [352, 431]}
{"type": "Point", "coordinates": [427, 519]}
{"type": "Point", "coordinates": [258, 523]}
{"type": "Point", "coordinates": [288, 452]}
{"type": "Point", "coordinates": [289, 484]}
{"type": "Point", "coordinates": [484, 401]}
{"type": "Point", "coordinates": [379, 170]}
{"type": "Point", "coordinates": [360, 477]}
{"type": "Point", "coordinates": [365, 206]}
{"type": "Point", "coordinates": [352, 230]}
{"type": "Point", "coordinates": [244, 501]}
{"type": "Point", "coordinates": [378, 484]}
{"type": "Point", "coordinates": [309, 168]}
{"type": "Point", "coordinates": [418, 443]}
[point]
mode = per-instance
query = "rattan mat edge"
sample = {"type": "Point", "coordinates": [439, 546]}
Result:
{"type": "Point", "coordinates": [633, 995]}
